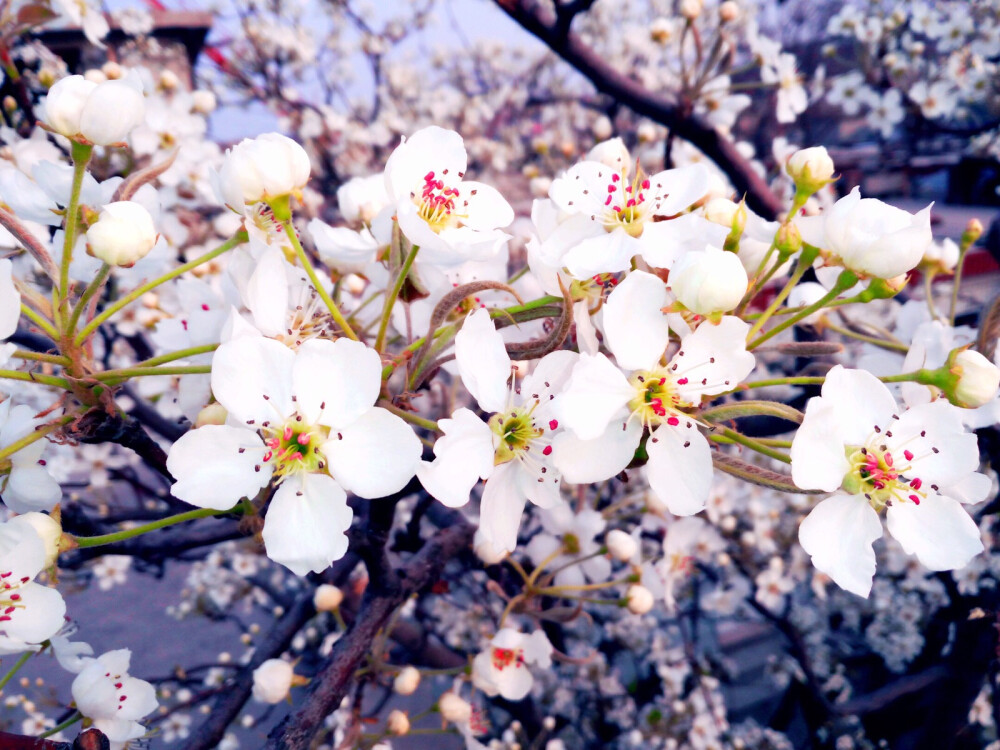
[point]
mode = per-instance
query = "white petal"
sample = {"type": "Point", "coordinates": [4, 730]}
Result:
{"type": "Point", "coordinates": [29, 488]}
{"type": "Point", "coordinates": [483, 362]}
{"type": "Point", "coordinates": [943, 451]}
{"type": "Point", "coordinates": [714, 359]}
{"type": "Point", "coordinates": [586, 461]}
{"type": "Point", "coordinates": [430, 149]}
{"type": "Point", "coordinates": [634, 324]}
{"type": "Point", "coordinates": [305, 523]}
{"type": "Point", "coordinates": [550, 374]}
{"type": "Point", "coordinates": [463, 456]}
{"type": "Point", "coordinates": [605, 253]}
{"type": "Point", "coordinates": [819, 461]}
{"type": "Point", "coordinates": [680, 467]}
{"type": "Point", "coordinates": [676, 189]}
{"type": "Point", "coordinates": [838, 535]}
{"type": "Point", "coordinates": [37, 616]}
{"type": "Point", "coordinates": [502, 507]}
{"type": "Point", "coordinates": [664, 242]}
{"type": "Point", "coordinates": [10, 300]}
{"type": "Point", "coordinates": [216, 465]}
{"type": "Point", "coordinates": [375, 456]}
{"type": "Point", "coordinates": [939, 531]}
{"type": "Point", "coordinates": [267, 293]}
{"type": "Point", "coordinates": [252, 378]}
{"type": "Point", "coordinates": [335, 382]}
{"type": "Point", "coordinates": [485, 207]}
{"type": "Point", "coordinates": [971, 490]}
{"type": "Point", "coordinates": [862, 402]}
{"type": "Point", "coordinates": [596, 394]}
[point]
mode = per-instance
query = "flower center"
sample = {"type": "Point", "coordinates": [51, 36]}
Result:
{"type": "Point", "coordinates": [881, 475]}
{"type": "Point", "coordinates": [516, 430]}
{"type": "Point", "coordinates": [625, 204]}
{"type": "Point", "coordinates": [294, 446]}
{"type": "Point", "coordinates": [10, 600]}
{"type": "Point", "coordinates": [437, 203]}
{"type": "Point", "coordinates": [656, 400]}
{"type": "Point", "coordinates": [507, 657]}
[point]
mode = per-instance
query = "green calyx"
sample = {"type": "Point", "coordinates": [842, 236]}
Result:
{"type": "Point", "coordinates": [515, 430]}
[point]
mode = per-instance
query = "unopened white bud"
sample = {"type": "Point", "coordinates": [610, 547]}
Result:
{"type": "Point", "coordinates": [729, 11]}
{"type": "Point", "coordinates": [810, 168]}
{"type": "Point", "coordinates": [621, 545]}
{"type": "Point", "coordinates": [95, 75]}
{"type": "Point", "coordinates": [709, 281]}
{"type": "Point", "coordinates": [327, 598]}
{"type": "Point", "coordinates": [454, 709]}
{"type": "Point", "coordinates": [978, 379]}
{"type": "Point", "coordinates": [646, 132]}
{"type": "Point", "coordinates": [203, 102]}
{"type": "Point", "coordinates": [169, 80]}
{"type": "Point", "coordinates": [262, 168]}
{"type": "Point", "coordinates": [406, 681]}
{"type": "Point", "coordinates": [112, 70]}
{"type": "Point", "coordinates": [48, 529]}
{"type": "Point", "coordinates": [272, 681]}
{"type": "Point", "coordinates": [397, 723]}
{"type": "Point", "coordinates": [721, 211]}
{"type": "Point", "coordinates": [123, 233]}
{"type": "Point", "coordinates": [691, 9]}
{"type": "Point", "coordinates": [640, 599]}
{"type": "Point", "coordinates": [612, 152]}
{"type": "Point", "coordinates": [602, 128]}
{"type": "Point", "coordinates": [102, 113]}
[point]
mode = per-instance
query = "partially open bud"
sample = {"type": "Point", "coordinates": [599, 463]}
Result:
{"type": "Point", "coordinates": [122, 234]}
{"type": "Point", "coordinates": [397, 723]}
{"type": "Point", "coordinates": [454, 709]}
{"type": "Point", "coordinates": [691, 9]}
{"type": "Point", "coordinates": [978, 379]}
{"type": "Point", "coordinates": [722, 211]}
{"type": "Point", "coordinates": [265, 168]}
{"type": "Point", "coordinates": [941, 257]}
{"type": "Point", "coordinates": [811, 169]}
{"type": "Point", "coordinates": [49, 530]}
{"type": "Point", "coordinates": [327, 598]}
{"type": "Point", "coordinates": [709, 281]}
{"type": "Point", "coordinates": [973, 231]}
{"type": "Point", "coordinates": [788, 240]}
{"type": "Point", "coordinates": [729, 11]}
{"type": "Point", "coordinates": [406, 681]}
{"type": "Point", "coordinates": [272, 681]}
{"type": "Point", "coordinates": [640, 599]}
{"type": "Point", "coordinates": [101, 113]}
{"type": "Point", "coordinates": [621, 545]}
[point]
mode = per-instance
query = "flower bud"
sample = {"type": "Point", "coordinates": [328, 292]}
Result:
{"type": "Point", "coordinates": [978, 379]}
{"type": "Point", "coordinates": [941, 257]}
{"type": "Point", "coordinates": [709, 281]}
{"type": "Point", "coordinates": [94, 75]}
{"type": "Point", "coordinates": [397, 723]}
{"type": "Point", "coordinates": [612, 152]}
{"type": "Point", "coordinates": [264, 168]}
{"type": "Point", "coordinates": [49, 530]}
{"type": "Point", "coordinates": [661, 30]}
{"type": "Point", "coordinates": [729, 11]}
{"type": "Point", "coordinates": [169, 80]}
{"type": "Point", "coordinates": [811, 169]}
{"type": "Point", "coordinates": [122, 234]}
{"type": "Point", "coordinates": [212, 414]}
{"type": "Point", "coordinates": [454, 709]}
{"type": "Point", "coordinates": [327, 598]}
{"type": "Point", "coordinates": [722, 211]}
{"type": "Point", "coordinates": [112, 70]}
{"type": "Point", "coordinates": [621, 545]}
{"type": "Point", "coordinates": [203, 102]}
{"type": "Point", "coordinates": [602, 128]}
{"type": "Point", "coordinates": [406, 681]}
{"type": "Point", "coordinates": [65, 102]}
{"type": "Point", "coordinates": [973, 231]}
{"type": "Point", "coordinates": [112, 111]}
{"type": "Point", "coordinates": [788, 240]}
{"type": "Point", "coordinates": [272, 681]}
{"type": "Point", "coordinates": [691, 9]}
{"type": "Point", "coordinates": [640, 599]}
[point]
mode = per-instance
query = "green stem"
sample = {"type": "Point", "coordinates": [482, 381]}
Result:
{"type": "Point", "coordinates": [929, 294]}
{"type": "Point", "coordinates": [409, 416]}
{"type": "Point", "coordinates": [139, 372]}
{"type": "Point", "coordinates": [179, 354]}
{"type": "Point", "coordinates": [40, 321]}
{"type": "Point", "coordinates": [238, 239]}
{"type": "Point", "coordinates": [845, 281]}
{"type": "Point", "coordinates": [331, 306]}
{"type": "Point", "coordinates": [118, 536]}
{"type": "Point", "coordinates": [59, 727]}
{"type": "Point", "coordinates": [753, 445]}
{"type": "Point", "coordinates": [54, 359]}
{"type": "Point", "coordinates": [799, 380]}
{"type": "Point", "coordinates": [963, 249]}
{"type": "Point", "coordinates": [890, 345]}
{"type": "Point", "coordinates": [390, 300]}
{"type": "Point", "coordinates": [81, 156]}
{"type": "Point", "coordinates": [805, 262]}
{"type": "Point", "coordinates": [13, 670]}
{"type": "Point", "coordinates": [88, 293]}
{"type": "Point", "coordinates": [30, 377]}
{"type": "Point", "coordinates": [31, 437]}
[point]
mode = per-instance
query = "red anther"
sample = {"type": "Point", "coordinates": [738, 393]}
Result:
{"type": "Point", "coordinates": [611, 188]}
{"type": "Point", "coordinates": [204, 307]}
{"type": "Point", "coordinates": [184, 324]}
{"type": "Point", "coordinates": [118, 686]}
{"type": "Point", "coordinates": [888, 459]}
{"type": "Point", "coordinates": [615, 177]}
{"type": "Point", "coordinates": [916, 483]}
{"type": "Point", "coordinates": [682, 381]}
{"type": "Point", "coordinates": [553, 423]}
{"type": "Point", "coordinates": [662, 381]}
{"type": "Point", "coordinates": [5, 575]}
{"type": "Point", "coordinates": [121, 698]}
{"type": "Point", "coordinates": [9, 610]}
{"type": "Point", "coordinates": [645, 184]}
{"type": "Point", "coordinates": [616, 209]}
{"type": "Point", "coordinates": [429, 176]}
{"type": "Point", "coordinates": [673, 421]}
{"type": "Point", "coordinates": [547, 450]}
{"type": "Point", "coordinates": [608, 201]}
{"type": "Point", "coordinates": [4, 618]}
{"type": "Point", "coordinates": [631, 203]}
{"type": "Point", "coordinates": [304, 438]}
{"type": "Point", "coordinates": [915, 499]}
{"type": "Point", "coordinates": [287, 434]}
{"type": "Point", "coordinates": [15, 597]}
{"type": "Point", "coordinates": [268, 456]}
{"type": "Point", "coordinates": [908, 455]}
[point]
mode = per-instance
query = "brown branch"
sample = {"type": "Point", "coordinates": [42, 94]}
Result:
{"type": "Point", "coordinates": [547, 27]}
{"type": "Point", "coordinates": [90, 739]}
{"type": "Point", "coordinates": [330, 685]}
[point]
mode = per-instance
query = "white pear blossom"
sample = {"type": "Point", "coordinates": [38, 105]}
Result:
{"type": "Point", "coordinates": [452, 219]}
{"type": "Point", "coordinates": [30, 613]}
{"type": "Point", "coordinates": [567, 536]}
{"type": "Point", "coordinates": [105, 693]}
{"type": "Point", "coordinates": [919, 465]}
{"type": "Point", "coordinates": [307, 420]}
{"type": "Point", "coordinates": [606, 408]}
{"type": "Point", "coordinates": [123, 233]}
{"type": "Point", "coordinates": [709, 281]}
{"type": "Point", "coordinates": [257, 169]}
{"type": "Point", "coordinates": [502, 669]}
{"type": "Point", "coordinates": [25, 482]}
{"type": "Point", "coordinates": [512, 450]}
{"type": "Point", "coordinates": [99, 113]}
{"type": "Point", "coordinates": [272, 681]}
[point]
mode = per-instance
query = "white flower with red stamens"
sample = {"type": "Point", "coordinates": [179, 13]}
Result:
{"type": "Point", "coordinates": [568, 537]}
{"type": "Point", "coordinates": [606, 408]}
{"type": "Point", "coordinates": [306, 419]}
{"type": "Point", "coordinates": [502, 669]}
{"type": "Point", "coordinates": [918, 465]}
{"type": "Point", "coordinates": [25, 482]}
{"type": "Point", "coordinates": [512, 450]}
{"type": "Point", "coordinates": [452, 220]}
{"type": "Point", "coordinates": [105, 693]}
{"type": "Point", "coordinates": [611, 218]}
{"type": "Point", "coordinates": [30, 613]}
